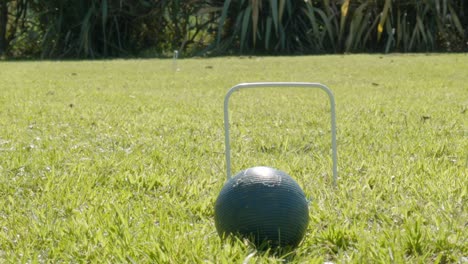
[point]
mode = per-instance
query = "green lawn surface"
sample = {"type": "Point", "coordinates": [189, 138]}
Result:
{"type": "Point", "coordinates": [121, 161]}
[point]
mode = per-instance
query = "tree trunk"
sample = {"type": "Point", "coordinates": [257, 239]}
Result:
{"type": "Point", "coordinates": [3, 26]}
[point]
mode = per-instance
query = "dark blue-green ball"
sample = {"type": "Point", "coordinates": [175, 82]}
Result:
{"type": "Point", "coordinates": [265, 205]}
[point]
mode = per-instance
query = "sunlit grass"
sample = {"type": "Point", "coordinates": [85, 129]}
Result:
{"type": "Point", "coordinates": [121, 161]}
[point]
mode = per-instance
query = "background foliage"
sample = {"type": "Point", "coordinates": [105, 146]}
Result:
{"type": "Point", "coordinates": [115, 28]}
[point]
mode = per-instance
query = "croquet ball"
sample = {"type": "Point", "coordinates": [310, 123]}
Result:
{"type": "Point", "coordinates": [264, 205]}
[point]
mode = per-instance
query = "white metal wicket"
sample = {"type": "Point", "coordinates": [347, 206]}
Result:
{"type": "Point", "coordinates": [281, 84]}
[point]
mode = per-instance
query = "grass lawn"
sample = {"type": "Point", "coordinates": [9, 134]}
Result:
{"type": "Point", "coordinates": [122, 160]}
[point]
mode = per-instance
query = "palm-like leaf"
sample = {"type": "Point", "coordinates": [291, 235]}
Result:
{"type": "Point", "coordinates": [101, 28]}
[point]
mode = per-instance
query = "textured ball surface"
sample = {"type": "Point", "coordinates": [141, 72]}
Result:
{"type": "Point", "coordinates": [264, 204]}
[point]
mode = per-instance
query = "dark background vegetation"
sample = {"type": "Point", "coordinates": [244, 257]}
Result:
{"type": "Point", "coordinates": [55, 29]}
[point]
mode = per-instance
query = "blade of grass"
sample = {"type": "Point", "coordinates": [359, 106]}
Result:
{"type": "Point", "coordinates": [246, 15]}
{"type": "Point", "coordinates": [104, 9]}
{"type": "Point", "coordinates": [328, 27]}
{"type": "Point", "coordinates": [356, 26]}
{"type": "Point", "coordinates": [344, 14]}
{"type": "Point", "coordinates": [281, 9]}
{"type": "Point", "coordinates": [256, 5]}
{"type": "Point", "coordinates": [269, 24]}
{"type": "Point", "coordinates": [391, 38]}
{"type": "Point", "coordinates": [222, 19]}
{"type": "Point", "coordinates": [456, 21]}
{"type": "Point", "coordinates": [383, 18]}
{"type": "Point", "coordinates": [274, 12]}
